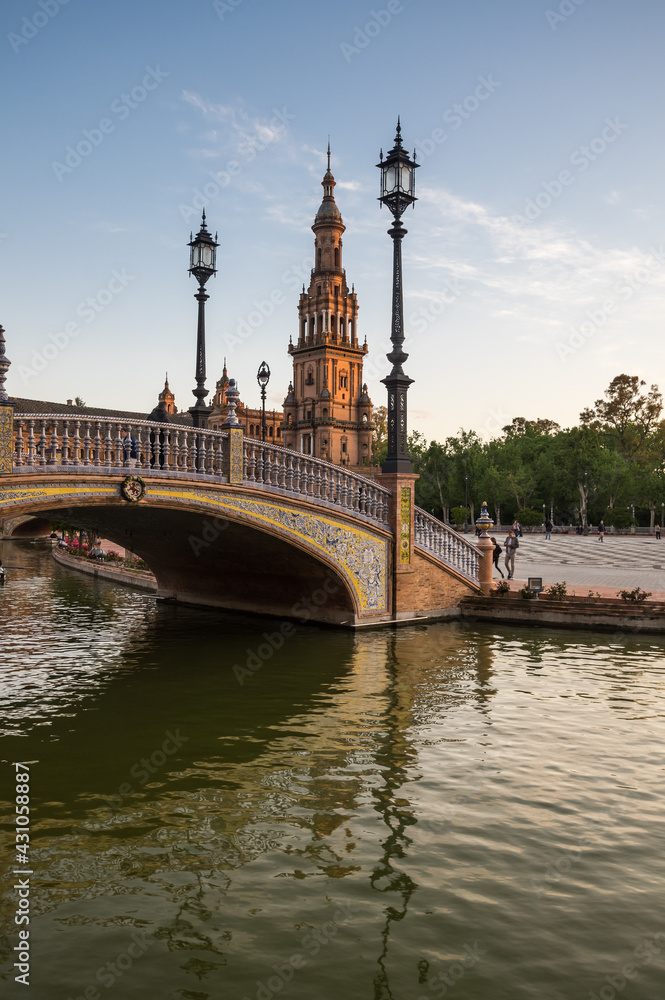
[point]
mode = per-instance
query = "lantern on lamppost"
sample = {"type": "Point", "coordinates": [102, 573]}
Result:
{"type": "Point", "coordinates": [263, 377]}
{"type": "Point", "coordinates": [203, 255]}
{"type": "Point", "coordinates": [398, 184]}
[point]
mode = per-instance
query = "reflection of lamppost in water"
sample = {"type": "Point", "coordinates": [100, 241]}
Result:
{"type": "Point", "coordinates": [386, 876]}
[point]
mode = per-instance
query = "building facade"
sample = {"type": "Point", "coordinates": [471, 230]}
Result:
{"type": "Point", "coordinates": [327, 411]}
{"type": "Point", "coordinates": [248, 418]}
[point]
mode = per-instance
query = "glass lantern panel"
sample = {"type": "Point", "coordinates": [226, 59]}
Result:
{"type": "Point", "coordinates": [206, 255]}
{"type": "Point", "coordinates": [390, 177]}
{"type": "Point", "coordinates": [407, 176]}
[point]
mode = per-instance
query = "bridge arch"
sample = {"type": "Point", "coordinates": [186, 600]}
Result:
{"type": "Point", "coordinates": [212, 544]}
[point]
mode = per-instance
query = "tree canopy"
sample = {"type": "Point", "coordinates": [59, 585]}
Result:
{"type": "Point", "coordinates": [612, 463]}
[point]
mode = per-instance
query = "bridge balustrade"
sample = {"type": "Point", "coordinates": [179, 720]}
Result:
{"type": "Point", "coordinates": [46, 441]}
{"type": "Point", "coordinates": [313, 478]}
{"type": "Point", "coordinates": [445, 544]}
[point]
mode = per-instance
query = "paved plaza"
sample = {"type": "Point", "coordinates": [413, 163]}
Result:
{"type": "Point", "coordinates": [620, 562]}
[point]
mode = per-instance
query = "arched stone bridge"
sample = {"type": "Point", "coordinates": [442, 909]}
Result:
{"type": "Point", "coordinates": [227, 521]}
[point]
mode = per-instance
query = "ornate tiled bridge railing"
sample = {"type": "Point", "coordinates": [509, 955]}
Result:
{"type": "Point", "coordinates": [44, 442]}
{"type": "Point", "coordinates": [445, 544]}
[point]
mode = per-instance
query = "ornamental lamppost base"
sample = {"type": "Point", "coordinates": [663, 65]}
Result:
{"type": "Point", "coordinates": [486, 549]}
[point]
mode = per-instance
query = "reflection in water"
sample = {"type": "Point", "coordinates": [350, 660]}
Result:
{"type": "Point", "coordinates": [396, 755]}
{"type": "Point", "coordinates": [373, 803]}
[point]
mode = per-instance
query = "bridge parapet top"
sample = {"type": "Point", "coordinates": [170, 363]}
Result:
{"type": "Point", "coordinates": [446, 545]}
{"type": "Point", "coordinates": [83, 444]}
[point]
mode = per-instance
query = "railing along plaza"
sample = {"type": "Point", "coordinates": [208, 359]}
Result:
{"type": "Point", "coordinates": [45, 441]}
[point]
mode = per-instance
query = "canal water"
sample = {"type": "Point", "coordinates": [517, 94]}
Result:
{"type": "Point", "coordinates": [439, 810]}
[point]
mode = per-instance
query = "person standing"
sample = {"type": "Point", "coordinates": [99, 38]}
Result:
{"type": "Point", "coordinates": [548, 528]}
{"type": "Point", "coordinates": [495, 555]}
{"type": "Point", "coordinates": [658, 532]}
{"type": "Point", "coordinates": [601, 530]}
{"type": "Point", "coordinates": [511, 544]}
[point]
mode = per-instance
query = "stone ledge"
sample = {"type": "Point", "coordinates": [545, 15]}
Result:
{"type": "Point", "coordinates": [603, 615]}
{"type": "Point", "coordinates": [129, 578]}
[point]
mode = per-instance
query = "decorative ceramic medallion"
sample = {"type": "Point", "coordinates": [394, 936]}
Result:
{"type": "Point", "coordinates": [132, 488]}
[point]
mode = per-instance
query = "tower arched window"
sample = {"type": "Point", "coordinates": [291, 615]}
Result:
{"type": "Point", "coordinates": [318, 257]}
{"type": "Point", "coordinates": [336, 256]}
{"type": "Point", "coordinates": [342, 331]}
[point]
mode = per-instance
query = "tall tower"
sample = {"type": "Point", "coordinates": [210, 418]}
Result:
{"type": "Point", "coordinates": [327, 412]}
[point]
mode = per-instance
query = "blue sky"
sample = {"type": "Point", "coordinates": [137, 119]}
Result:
{"type": "Point", "coordinates": [534, 265]}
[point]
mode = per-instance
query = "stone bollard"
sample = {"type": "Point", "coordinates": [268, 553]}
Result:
{"type": "Point", "coordinates": [485, 563]}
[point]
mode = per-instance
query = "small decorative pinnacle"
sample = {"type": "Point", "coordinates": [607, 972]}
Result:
{"type": "Point", "coordinates": [328, 152]}
{"type": "Point", "coordinates": [398, 133]}
{"type": "Point", "coordinates": [4, 368]}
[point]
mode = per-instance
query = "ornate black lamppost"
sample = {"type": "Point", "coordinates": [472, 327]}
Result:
{"type": "Point", "coordinates": [398, 184]}
{"type": "Point", "coordinates": [263, 377]}
{"type": "Point", "coordinates": [202, 266]}
{"type": "Point", "coordinates": [585, 522]}
{"type": "Point", "coordinates": [466, 501]}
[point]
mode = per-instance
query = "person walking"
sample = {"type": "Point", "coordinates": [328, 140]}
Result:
{"type": "Point", "coordinates": [548, 528]}
{"type": "Point", "coordinates": [601, 530]}
{"type": "Point", "coordinates": [511, 545]}
{"type": "Point", "coordinates": [495, 555]}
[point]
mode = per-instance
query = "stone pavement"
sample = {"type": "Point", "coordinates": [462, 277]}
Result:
{"type": "Point", "coordinates": [620, 562]}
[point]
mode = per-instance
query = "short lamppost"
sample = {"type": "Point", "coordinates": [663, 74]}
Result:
{"type": "Point", "coordinates": [398, 179]}
{"type": "Point", "coordinates": [552, 511]}
{"type": "Point", "coordinates": [632, 514]}
{"type": "Point", "coordinates": [202, 266]}
{"type": "Point", "coordinates": [466, 501]}
{"type": "Point", "coordinates": [544, 513]}
{"type": "Point", "coordinates": [662, 515]}
{"type": "Point", "coordinates": [263, 377]}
